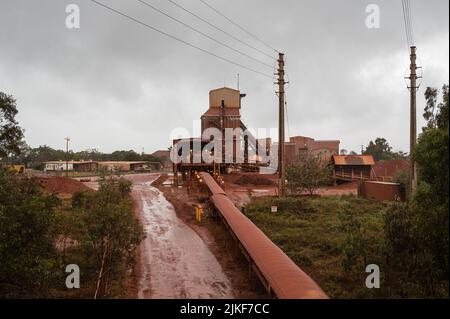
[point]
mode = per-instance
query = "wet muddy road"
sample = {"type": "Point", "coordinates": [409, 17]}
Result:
{"type": "Point", "coordinates": [174, 260]}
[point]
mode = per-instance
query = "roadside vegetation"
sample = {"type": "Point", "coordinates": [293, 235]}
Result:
{"type": "Point", "coordinates": [106, 232]}
{"type": "Point", "coordinates": [41, 233]}
{"type": "Point", "coordinates": [30, 264]}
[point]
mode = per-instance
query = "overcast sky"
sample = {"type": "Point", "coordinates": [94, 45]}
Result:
{"type": "Point", "coordinates": [113, 84]}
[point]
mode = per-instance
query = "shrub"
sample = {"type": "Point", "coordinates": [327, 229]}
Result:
{"type": "Point", "coordinates": [307, 175]}
{"type": "Point", "coordinates": [29, 263]}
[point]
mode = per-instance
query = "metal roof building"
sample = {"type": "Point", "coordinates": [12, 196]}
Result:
{"type": "Point", "coordinates": [353, 167]}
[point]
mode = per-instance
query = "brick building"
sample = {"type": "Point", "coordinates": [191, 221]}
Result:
{"type": "Point", "coordinates": [299, 145]}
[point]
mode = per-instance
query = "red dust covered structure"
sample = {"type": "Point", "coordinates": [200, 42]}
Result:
{"type": "Point", "coordinates": [278, 273]}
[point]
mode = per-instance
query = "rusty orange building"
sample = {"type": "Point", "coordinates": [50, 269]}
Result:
{"type": "Point", "coordinates": [353, 167]}
{"type": "Point", "coordinates": [223, 115]}
{"type": "Point", "coordinates": [302, 145]}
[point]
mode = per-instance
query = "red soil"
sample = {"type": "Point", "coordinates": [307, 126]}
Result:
{"type": "Point", "coordinates": [61, 185]}
{"type": "Point", "coordinates": [250, 179]}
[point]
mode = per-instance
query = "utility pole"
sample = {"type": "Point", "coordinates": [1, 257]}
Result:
{"type": "Point", "coordinates": [222, 128]}
{"type": "Point", "coordinates": [67, 139]}
{"type": "Point", "coordinates": [413, 121]}
{"type": "Point", "coordinates": [281, 131]}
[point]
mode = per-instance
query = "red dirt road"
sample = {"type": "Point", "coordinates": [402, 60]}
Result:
{"type": "Point", "coordinates": [174, 261]}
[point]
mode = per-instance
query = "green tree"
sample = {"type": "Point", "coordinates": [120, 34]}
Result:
{"type": "Point", "coordinates": [436, 114]}
{"type": "Point", "coordinates": [29, 263]}
{"type": "Point", "coordinates": [382, 151]}
{"type": "Point", "coordinates": [418, 232]}
{"type": "Point", "coordinates": [108, 218]}
{"type": "Point", "coordinates": [10, 133]}
{"type": "Point", "coordinates": [308, 174]}
{"type": "Point", "coordinates": [431, 151]}
{"type": "Point", "coordinates": [431, 200]}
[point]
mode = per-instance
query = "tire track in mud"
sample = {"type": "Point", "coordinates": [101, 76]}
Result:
{"type": "Point", "coordinates": [174, 260]}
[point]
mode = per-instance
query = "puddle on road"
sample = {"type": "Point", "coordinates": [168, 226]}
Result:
{"type": "Point", "coordinates": [175, 262]}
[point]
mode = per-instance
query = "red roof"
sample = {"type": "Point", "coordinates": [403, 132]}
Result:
{"type": "Point", "coordinates": [353, 160]}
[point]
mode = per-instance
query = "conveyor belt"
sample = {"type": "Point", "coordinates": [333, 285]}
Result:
{"type": "Point", "coordinates": [281, 275]}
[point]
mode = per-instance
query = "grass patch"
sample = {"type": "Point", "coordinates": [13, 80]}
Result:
{"type": "Point", "coordinates": [311, 231]}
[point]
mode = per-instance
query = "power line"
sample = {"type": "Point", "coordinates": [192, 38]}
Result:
{"type": "Point", "coordinates": [179, 40]}
{"type": "Point", "coordinates": [411, 33]}
{"type": "Point", "coordinates": [287, 119]}
{"type": "Point", "coordinates": [219, 29]}
{"type": "Point", "coordinates": [407, 22]}
{"type": "Point", "coordinates": [237, 25]}
{"type": "Point", "coordinates": [202, 33]}
{"type": "Point", "coordinates": [407, 27]}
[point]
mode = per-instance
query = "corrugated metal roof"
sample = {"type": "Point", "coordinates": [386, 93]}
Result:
{"type": "Point", "coordinates": [122, 162]}
{"type": "Point", "coordinates": [353, 160]}
{"type": "Point", "coordinates": [71, 162]}
{"type": "Point", "coordinates": [224, 89]}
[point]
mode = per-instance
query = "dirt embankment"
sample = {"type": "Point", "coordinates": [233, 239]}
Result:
{"type": "Point", "coordinates": [61, 185]}
{"type": "Point", "coordinates": [251, 179]}
{"type": "Point", "coordinates": [254, 180]}
{"type": "Point", "coordinates": [221, 244]}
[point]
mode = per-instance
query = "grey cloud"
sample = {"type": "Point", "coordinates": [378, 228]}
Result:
{"type": "Point", "coordinates": [117, 85]}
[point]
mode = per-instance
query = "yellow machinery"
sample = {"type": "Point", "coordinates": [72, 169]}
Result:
{"type": "Point", "coordinates": [198, 213]}
{"type": "Point", "coordinates": [20, 169]}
